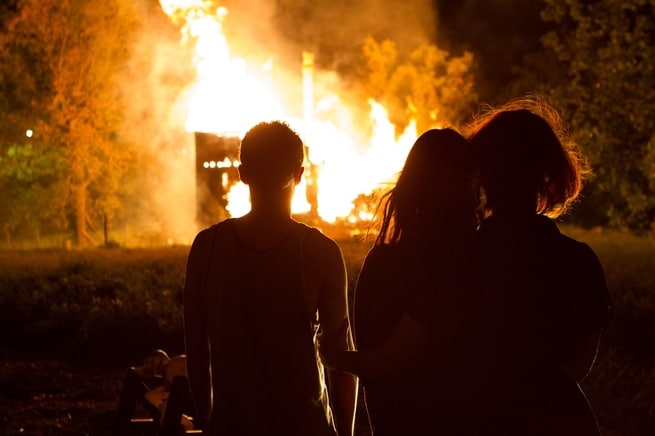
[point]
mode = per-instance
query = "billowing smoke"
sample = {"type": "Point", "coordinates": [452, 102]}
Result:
{"type": "Point", "coordinates": [333, 29]}
{"type": "Point", "coordinates": [161, 188]}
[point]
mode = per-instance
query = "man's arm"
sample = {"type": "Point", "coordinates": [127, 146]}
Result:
{"type": "Point", "coordinates": [195, 333]}
{"type": "Point", "coordinates": [399, 353]}
{"type": "Point", "coordinates": [335, 325]}
{"type": "Point", "coordinates": [343, 400]}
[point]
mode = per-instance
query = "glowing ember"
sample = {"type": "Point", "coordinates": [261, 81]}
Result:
{"type": "Point", "coordinates": [228, 98]}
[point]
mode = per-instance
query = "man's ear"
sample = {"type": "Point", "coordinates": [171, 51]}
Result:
{"type": "Point", "coordinates": [243, 174]}
{"type": "Point", "coordinates": [297, 177]}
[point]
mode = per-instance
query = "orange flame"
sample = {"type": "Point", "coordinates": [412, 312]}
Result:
{"type": "Point", "coordinates": [228, 98]}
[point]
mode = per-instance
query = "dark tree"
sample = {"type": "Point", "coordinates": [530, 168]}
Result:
{"type": "Point", "coordinates": [598, 67]}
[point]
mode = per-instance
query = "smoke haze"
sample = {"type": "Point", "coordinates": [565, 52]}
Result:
{"type": "Point", "coordinates": [333, 29]}
{"type": "Point", "coordinates": [163, 186]}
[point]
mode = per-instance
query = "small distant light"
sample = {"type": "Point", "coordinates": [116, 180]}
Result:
{"type": "Point", "coordinates": [212, 164]}
{"type": "Point", "coordinates": [225, 163]}
{"type": "Point", "coordinates": [205, 164]}
{"type": "Point", "coordinates": [29, 133]}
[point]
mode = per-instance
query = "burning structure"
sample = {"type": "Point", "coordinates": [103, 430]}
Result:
{"type": "Point", "coordinates": [343, 164]}
{"type": "Point", "coordinates": [216, 166]}
{"type": "Point", "coordinates": [216, 172]}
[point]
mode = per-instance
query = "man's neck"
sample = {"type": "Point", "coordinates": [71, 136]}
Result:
{"type": "Point", "coordinates": [267, 206]}
{"type": "Point", "coordinates": [269, 216]}
{"type": "Point", "coordinates": [268, 222]}
{"type": "Point", "coordinates": [264, 230]}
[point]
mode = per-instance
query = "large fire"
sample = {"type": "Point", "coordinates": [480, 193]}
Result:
{"type": "Point", "coordinates": [230, 96]}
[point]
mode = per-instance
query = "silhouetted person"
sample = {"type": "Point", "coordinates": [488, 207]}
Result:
{"type": "Point", "coordinates": [408, 304]}
{"type": "Point", "coordinates": [257, 290]}
{"type": "Point", "coordinates": [543, 298]}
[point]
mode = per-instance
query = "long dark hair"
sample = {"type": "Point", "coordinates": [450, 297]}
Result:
{"type": "Point", "coordinates": [433, 193]}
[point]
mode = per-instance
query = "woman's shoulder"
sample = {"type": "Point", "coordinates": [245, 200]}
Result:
{"type": "Point", "coordinates": [585, 276]}
{"type": "Point", "coordinates": [383, 265]}
{"type": "Point", "coordinates": [387, 254]}
{"type": "Point", "coordinates": [577, 252]}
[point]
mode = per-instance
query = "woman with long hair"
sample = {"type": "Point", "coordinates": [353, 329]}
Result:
{"type": "Point", "coordinates": [407, 298]}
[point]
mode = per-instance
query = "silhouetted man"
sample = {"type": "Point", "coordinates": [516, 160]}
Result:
{"type": "Point", "coordinates": [257, 290]}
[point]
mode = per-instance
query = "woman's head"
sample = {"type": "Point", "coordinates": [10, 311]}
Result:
{"type": "Point", "coordinates": [526, 162]}
{"type": "Point", "coordinates": [433, 190]}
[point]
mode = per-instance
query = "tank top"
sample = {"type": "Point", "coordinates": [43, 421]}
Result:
{"type": "Point", "coordinates": [266, 377]}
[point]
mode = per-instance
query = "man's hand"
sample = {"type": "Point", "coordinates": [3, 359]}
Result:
{"type": "Point", "coordinates": [331, 347]}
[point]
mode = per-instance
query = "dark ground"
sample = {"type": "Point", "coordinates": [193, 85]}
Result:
{"type": "Point", "coordinates": [45, 395]}
{"type": "Point", "coordinates": [41, 395]}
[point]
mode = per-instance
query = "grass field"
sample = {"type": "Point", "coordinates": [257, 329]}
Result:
{"type": "Point", "coordinates": [72, 320]}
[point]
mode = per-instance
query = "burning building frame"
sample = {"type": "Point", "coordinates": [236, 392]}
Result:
{"type": "Point", "coordinates": [216, 171]}
{"type": "Point", "coordinates": [346, 162]}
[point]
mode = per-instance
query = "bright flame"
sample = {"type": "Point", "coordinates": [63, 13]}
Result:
{"type": "Point", "coordinates": [238, 200]}
{"type": "Point", "coordinates": [228, 98]}
{"type": "Point", "coordinates": [344, 174]}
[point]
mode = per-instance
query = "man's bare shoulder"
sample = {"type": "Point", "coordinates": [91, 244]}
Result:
{"type": "Point", "coordinates": [203, 237]}
{"type": "Point", "coordinates": [203, 245]}
{"type": "Point", "coordinates": [319, 244]}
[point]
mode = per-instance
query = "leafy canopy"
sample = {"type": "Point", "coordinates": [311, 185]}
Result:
{"type": "Point", "coordinates": [598, 68]}
{"type": "Point", "coordinates": [64, 63]}
{"type": "Point", "coordinates": [429, 85]}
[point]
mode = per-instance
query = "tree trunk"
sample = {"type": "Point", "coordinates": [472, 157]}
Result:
{"type": "Point", "coordinates": [80, 216]}
{"type": "Point", "coordinates": [9, 242]}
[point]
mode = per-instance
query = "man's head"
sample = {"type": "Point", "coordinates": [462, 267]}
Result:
{"type": "Point", "coordinates": [271, 156]}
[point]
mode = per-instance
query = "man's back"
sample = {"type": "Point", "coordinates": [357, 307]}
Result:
{"type": "Point", "coordinates": [253, 287]}
{"type": "Point", "coordinates": [265, 375]}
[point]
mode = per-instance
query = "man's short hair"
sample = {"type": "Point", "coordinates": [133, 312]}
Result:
{"type": "Point", "coordinates": [271, 152]}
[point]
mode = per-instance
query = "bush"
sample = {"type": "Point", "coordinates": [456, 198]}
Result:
{"type": "Point", "coordinates": [111, 299]}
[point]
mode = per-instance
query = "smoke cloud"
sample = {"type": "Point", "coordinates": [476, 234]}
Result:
{"type": "Point", "coordinates": [162, 187]}
{"type": "Point", "coordinates": [333, 29]}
